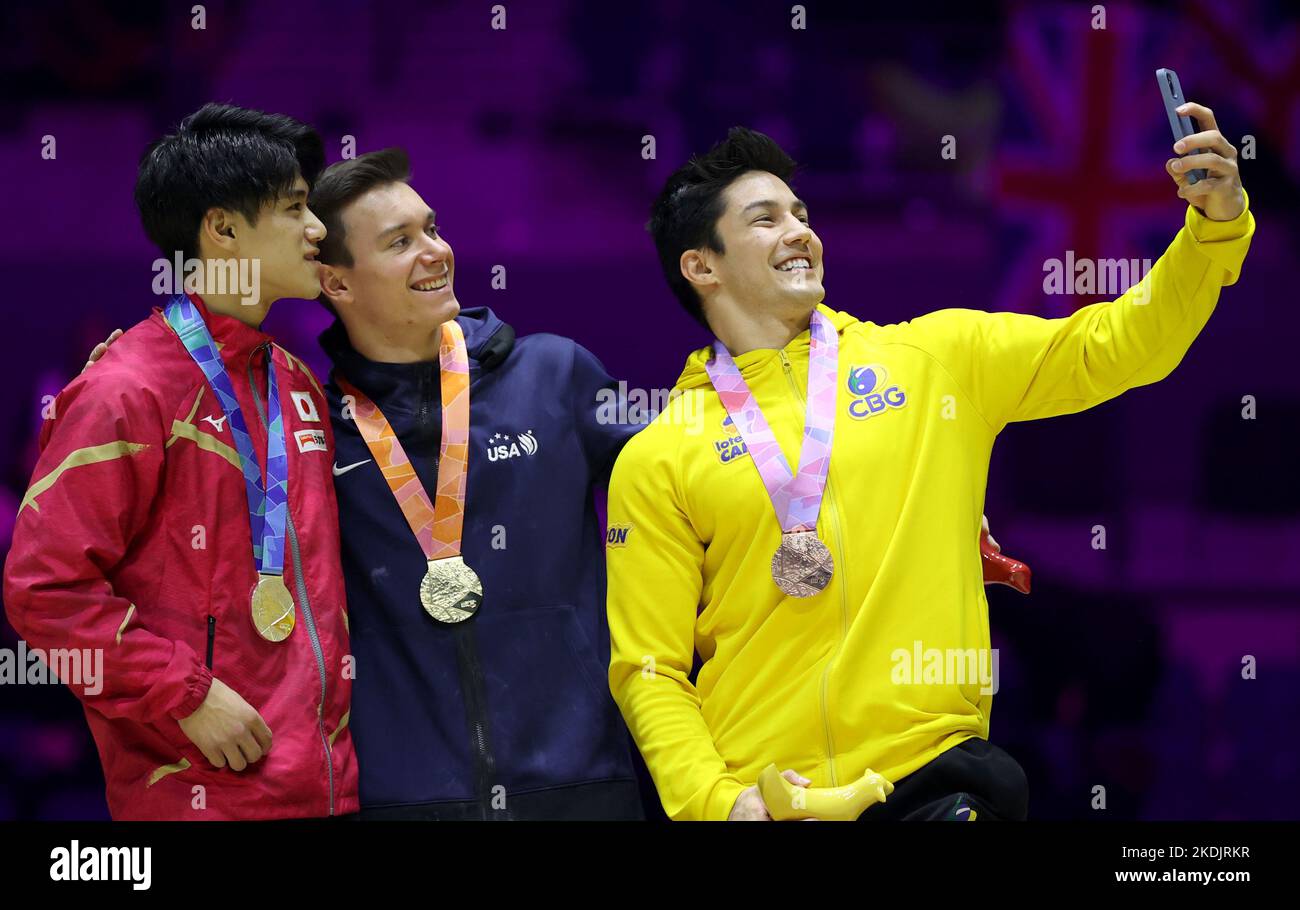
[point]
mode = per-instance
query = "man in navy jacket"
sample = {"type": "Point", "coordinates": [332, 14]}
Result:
{"type": "Point", "coordinates": [507, 715]}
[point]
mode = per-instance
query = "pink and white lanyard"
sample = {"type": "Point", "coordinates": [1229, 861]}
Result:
{"type": "Point", "coordinates": [796, 496]}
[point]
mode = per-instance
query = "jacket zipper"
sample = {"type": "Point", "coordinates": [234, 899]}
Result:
{"type": "Point", "coordinates": [299, 580]}
{"type": "Point", "coordinates": [471, 677]}
{"type": "Point", "coordinates": [841, 567]}
{"type": "Point", "coordinates": [423, 416]}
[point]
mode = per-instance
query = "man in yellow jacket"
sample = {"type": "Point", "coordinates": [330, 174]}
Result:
{"type": "Point", "coordinates": [809, 623]}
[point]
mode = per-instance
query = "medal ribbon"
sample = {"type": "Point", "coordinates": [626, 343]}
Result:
{"type": "Point", "coordinates": [796, 497]}
{"type": "Point", "coordinates": [437, 526]}
{"type": "Point", "coordinates": [267, 500]}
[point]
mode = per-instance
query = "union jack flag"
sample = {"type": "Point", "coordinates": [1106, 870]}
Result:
{"type": "Point", "coordinates": [1083, 167]}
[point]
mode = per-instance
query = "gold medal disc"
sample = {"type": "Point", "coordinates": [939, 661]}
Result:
{"type": "Point", "coordinates": [450, 591]}
{"type": "Point", "coordinates": [273, 611]}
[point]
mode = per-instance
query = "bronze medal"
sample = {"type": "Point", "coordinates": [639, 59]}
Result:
{"type": "Point", "coordinates": [450, 591]}
{"type": "Point", "coordinates": [273, 610]}
{"type": "Point", "coordinates": [802, 566]}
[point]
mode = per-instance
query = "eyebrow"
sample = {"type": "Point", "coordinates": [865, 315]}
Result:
{"type": "Point", "coordinates": [297, 195]}
{"type": "Point", "coordinates": [772, 203]}
{"type": "Point", "coordinates": [406, 225]}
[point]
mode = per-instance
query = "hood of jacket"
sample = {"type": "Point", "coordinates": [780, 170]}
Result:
{"type": "Point", "coordinates": [488, 342]}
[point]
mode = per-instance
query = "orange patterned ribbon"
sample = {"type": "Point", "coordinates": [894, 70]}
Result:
{"type": "Point", "coordinates": [436, 525]}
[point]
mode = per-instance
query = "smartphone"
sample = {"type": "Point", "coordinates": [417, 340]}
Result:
{"type": "Point", "coordinates": [1172, 92]}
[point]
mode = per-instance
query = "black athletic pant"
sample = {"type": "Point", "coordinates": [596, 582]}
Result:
{"type": "Point", "coordinates": [973, 781]}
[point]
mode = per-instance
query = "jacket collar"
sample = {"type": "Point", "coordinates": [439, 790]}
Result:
{"type": "Point", "coordinates": [233, 338]}
{"type": "Point", "coordinates": [488, 342]}
{"type": "Point", "coordinates": [751, 362]}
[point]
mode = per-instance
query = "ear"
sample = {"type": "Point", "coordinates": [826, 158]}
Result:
{"type": "Point", "coordinates": [334, 285]}
{"type": "Point", "coordinates": [697, 268]}
{"type": "Point", "coordinates": [218, 232]}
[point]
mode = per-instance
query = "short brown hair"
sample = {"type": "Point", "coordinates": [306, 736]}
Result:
{"type": "Point", "coordinates": [341, 184]}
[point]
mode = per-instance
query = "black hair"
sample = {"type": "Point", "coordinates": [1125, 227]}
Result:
{"type": "Point", "coordinates": [221, 156]}
{"type": "Point", "coordinates": [343, 183]}
{"type": "Point", "coordinates": [685, 215]}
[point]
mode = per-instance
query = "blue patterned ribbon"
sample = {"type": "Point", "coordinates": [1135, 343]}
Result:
{"type": "Point", "coordinates": [267, 504]}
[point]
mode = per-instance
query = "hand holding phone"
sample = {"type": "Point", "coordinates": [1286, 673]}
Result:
{"type": "Point", "coordinates": [1172, 92]}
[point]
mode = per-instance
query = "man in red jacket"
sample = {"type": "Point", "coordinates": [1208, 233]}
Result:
{"type": "Point", "coordinates": [181, 519]}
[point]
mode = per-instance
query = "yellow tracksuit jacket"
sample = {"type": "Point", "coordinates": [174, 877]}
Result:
{"type": "Point", "coordinates": [812, 683]}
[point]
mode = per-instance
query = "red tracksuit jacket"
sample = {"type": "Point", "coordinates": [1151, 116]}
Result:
{"type": "Point", "coordinates": [135, 531]}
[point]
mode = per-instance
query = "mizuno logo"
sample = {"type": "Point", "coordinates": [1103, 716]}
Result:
{"type": "Point", "coordinates": [219, 425]}
{"type": "Point", "coordinates": [339, 472]}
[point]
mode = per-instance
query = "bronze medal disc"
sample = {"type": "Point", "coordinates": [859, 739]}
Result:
{"type": "Point", "coordinates": [273, 611]}
{"type": "Point", "coordinates": [450, 591]}
{"type": "Point", "coordinates": [802, 565]}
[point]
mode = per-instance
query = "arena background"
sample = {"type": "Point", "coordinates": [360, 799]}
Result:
{"type": "Point", "coordinates": [1124, 667]}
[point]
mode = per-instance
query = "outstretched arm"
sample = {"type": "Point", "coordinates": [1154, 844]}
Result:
{"type": "Point", "coordinates": [1014, 366]}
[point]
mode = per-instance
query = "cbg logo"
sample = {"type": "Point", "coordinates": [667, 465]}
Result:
{"type": "Point", "coordinates": [863, 383]}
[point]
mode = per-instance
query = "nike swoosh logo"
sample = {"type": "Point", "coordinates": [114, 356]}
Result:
{"type": "Point", "coordinates": [339, 472]}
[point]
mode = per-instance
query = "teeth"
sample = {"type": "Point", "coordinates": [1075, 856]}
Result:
{"type": "Point", "coordinates": [432, 284]}
{"type": "Point", "coordinates": [794, 264]}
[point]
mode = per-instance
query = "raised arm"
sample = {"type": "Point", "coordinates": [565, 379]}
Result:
{"type": "Point", "coordinates": [1019, 367]}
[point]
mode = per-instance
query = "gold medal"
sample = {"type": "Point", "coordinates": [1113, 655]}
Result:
{"type": "Point", "coordinates": [450, 591]}
{"type": "Point", "coordinates": [802, 566]}
{"type": "Point", "coordinates": [273, 611]}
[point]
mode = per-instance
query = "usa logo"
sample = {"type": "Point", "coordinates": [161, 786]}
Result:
{"type": "Point", "coordinates": [501, 448]}
{"type": "Point", "coordinates": [872, 392]}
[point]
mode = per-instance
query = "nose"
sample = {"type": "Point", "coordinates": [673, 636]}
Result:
{"type": "Point", "coordinates": [800, 233]}
{"type": "Point", "coordinates": [435, 249]}
{"type": "Point", "coordinates": [314, 227]}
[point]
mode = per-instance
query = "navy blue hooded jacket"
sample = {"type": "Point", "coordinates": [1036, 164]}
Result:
{"type": "Point", "coordinates": [509, 714]}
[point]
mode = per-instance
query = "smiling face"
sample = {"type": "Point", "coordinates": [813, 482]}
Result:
{"type": "Point", "coordinates": [399, 285]}
{"type": "Point", "coordinates": [284, 240]}
{"type": "Point", "coordinates": [773, 258]}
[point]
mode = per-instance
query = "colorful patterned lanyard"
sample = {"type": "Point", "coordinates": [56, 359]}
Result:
{"type": "Point", "coordinates": [802, 565]}
{"type": "Point", "coordinates": [450, 592]}
{"type": "Point", "coordinates": [267, 500]}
